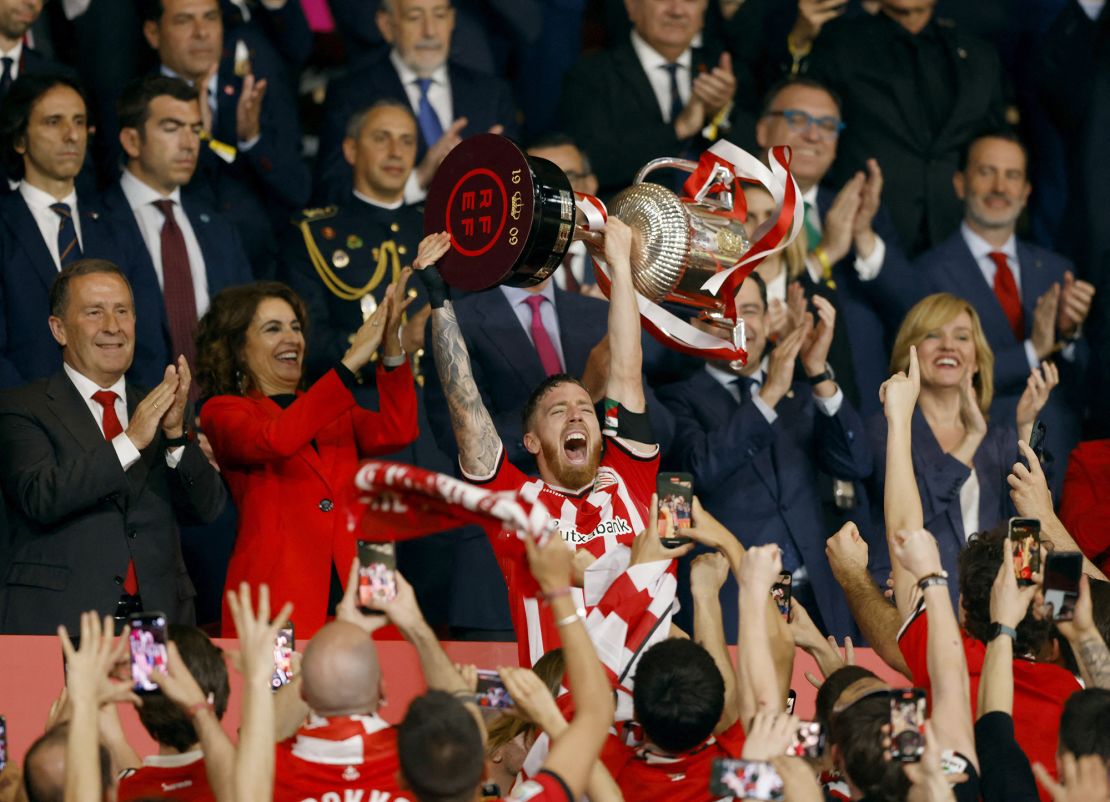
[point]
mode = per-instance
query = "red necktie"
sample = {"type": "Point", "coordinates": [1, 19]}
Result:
{"type": "Point", "coordinates": [112, 427]}
{"type": "Point", "coordinates": [177, 285]}
{"type": "Point", "coordinates": [549, 357]}
{"type": "Point", "coordinates": [1005, 289]}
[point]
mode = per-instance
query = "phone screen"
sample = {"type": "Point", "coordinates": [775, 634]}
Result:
{"type": "Point", "coordinates": [148, 649]}
{"type": "Point", "coordinates": [907, 724]}
{"type": "Point", "coordinates": [283, 657]}
{"type": "Point", "coordinates": [791, 700]}
{"type": "Point", "coordinates": [491, 691]}
{"type": "Point", "coordinates": [1025, 537]}
{"type": "Point", "coordinates": [376, 579]}
{"type": "Point", "coordinates": [780, 592]}
{"type": "Point", "coordinates": [809, 740]}
{"type": "Point", "coordinates": [745, 779]}
{"type": "Point", "coordinates": [3, 743]}
{"type": "Point", "coordinates": [1061, 584]}
{"type": "Point", "coordinates": [676, 506]}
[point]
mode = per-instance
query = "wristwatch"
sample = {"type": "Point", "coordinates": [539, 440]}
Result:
{"type": "Point", "coordinates": [939, 578]}
{"type": "Point", "coordinates": [997, 629]}
{"type": "Point", "coordinates": [828, 374]}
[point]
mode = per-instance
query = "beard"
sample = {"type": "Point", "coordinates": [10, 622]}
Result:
{"type": "Point", "coordinates": [567, 475]}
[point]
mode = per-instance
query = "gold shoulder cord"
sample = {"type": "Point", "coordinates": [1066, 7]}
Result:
{"type": "Point", "coordinates": [387, 253]}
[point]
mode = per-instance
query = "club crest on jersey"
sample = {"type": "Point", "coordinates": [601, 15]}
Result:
{"type": "Point", "coordinates": [606, 477]}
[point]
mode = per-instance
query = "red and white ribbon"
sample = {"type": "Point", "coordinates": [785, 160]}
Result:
{"type": "Point", "coordinates": [593, 209]}
{"type": "Point", "coordinates": [771, 237]}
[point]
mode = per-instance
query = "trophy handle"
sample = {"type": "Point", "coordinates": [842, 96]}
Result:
{"type": "Point", "coordinates": [720, 175]}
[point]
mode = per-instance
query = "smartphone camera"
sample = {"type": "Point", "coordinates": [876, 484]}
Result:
{"type": "Point", "coordinates": [676, 507]}
{"type": "Point", "coordinates": [377, 580]}
{"type": "Point", "coordinates": [781, 593]}
{"type": "Point", "coordinates": [283, 657]}
{"type": "Point", "coordinates": [1025, 539]}
{"type": "Point", "coordinates": [491, 692]}
{"type": "Point", "coordinates": [1061, 584]}
{"type": "Point", "coordinates": [809, 741]}
{"type": "Point", "coordinates": [148, 650]}
{"type": "Point", "coordinates": [745, 779]}
{"type": "Point", "coordinates": [907, 724]}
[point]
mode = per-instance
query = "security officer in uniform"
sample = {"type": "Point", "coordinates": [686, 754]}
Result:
{"type": "Point", "coordinates": [340, 260]}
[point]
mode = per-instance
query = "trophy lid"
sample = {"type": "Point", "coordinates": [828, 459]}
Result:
{"type": "Point", "coordinates": [510, 215]}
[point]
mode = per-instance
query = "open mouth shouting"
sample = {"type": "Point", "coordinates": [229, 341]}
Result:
{"type": "Point", "coordinates": [576, 447]}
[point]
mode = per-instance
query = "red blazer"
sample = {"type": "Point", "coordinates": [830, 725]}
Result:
{"type": "Point", "coordinates": [1085, 506]}
{"type": "Point", "coordinates": [291, 525]}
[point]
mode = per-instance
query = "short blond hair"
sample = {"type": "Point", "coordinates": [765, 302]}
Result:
{"type": "Point", "coordinates": [929, 314]}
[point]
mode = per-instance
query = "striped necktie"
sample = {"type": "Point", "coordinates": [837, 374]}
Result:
{"type": "Point", "coordinates": [69, 249]}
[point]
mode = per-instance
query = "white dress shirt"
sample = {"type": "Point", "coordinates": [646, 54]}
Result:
{"type": "Point", "coordinates": [969, 504]}
{"type": "Point", "coordinates": [655, 67]}
{"type": "Point", "coordinates": [439, 97]}
{"type": "Point", "coordinates": [125, 450]}
{"type": "Point", "coordinates": [48, 221]}
{"type": "Point", "coordinates": [141, 198]}
{"type": "Point", "coordinates": [830, 406]}
{"type": "Point", "coordinates": [518, 299]}
{"type": "Point", "coordinates": [867, 268]}
{"type": "Point", "coordinates": [15, 54]}
{"type": "Point", "coordinates": [580, 266]}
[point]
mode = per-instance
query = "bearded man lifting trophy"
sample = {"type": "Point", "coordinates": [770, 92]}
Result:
{"type": "Point", "coordinates": [512, 218]}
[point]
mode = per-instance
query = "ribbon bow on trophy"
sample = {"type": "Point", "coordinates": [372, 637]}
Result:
{"type": "Point", "coordinates": [512, 218]}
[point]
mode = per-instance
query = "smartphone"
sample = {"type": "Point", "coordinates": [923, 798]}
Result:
{"type": "Point", "coordinates": [3, 742]}
{"type": "Point", "coordinates": [745, 779]}
{"type": "Point", "coordinates": [809, 740]}
{"type": "Point", "coordinates": [283, 657]}
{"type": "Point", "coordinates": [780, 592]}
{"type": "Point", "coordinates": [1025, 537]}
{"type": "Point", "coordinates": [1062, 570]}
{"type": "Point", "coordinates": [1036, 439]}
{"type": "Point", "coordinates": [491, 691]}
{"type": "Point", "coordinates": [951, 763]}
{"type": "Point", "coordinates": [791, 700]}
{"type": "Point", "coordinates": [676, 495]}
{"type": "Point", "coordinates": [377, 566]}
{"type": "Point", "coordinates": [907, 724]}
{"type": "Point", "coordinates": [148, 649]}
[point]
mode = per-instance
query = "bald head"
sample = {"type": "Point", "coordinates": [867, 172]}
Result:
{"type": "Point", "coordinates": [340, 674]}
{"type": "Point", "coordinates": [44, 768]}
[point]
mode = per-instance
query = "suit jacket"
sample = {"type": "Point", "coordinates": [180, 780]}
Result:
{"type": "Point", "coordinates": [483, 99]}
{"type": "Point", "coordinates": [608, 106]}
{"type": "Point", "coordinates": [289, 471]}
{"type": "Point", "coordinates": [950, 267]}
{"type": "Point", "coordinates": [225, 263]}
{"type": "Point", "coordinates": [939, 479]}
{"type": "Point", "coordinates": [77, 517]}
{"type": "Point", "coordinates": [507, 369]}
{"type": "Point", "coordinates": [861, 59]}
{"type": "Point", "coordinates": [27, 348]}
{"type": "Point", "coordinates": [759, 479]}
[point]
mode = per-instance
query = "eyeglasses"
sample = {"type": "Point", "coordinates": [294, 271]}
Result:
{"type": "Point", "coordinates": [799, 122]}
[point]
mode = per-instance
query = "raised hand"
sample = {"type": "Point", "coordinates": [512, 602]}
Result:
{"type": "Point", "coordinates": [532, 699]}
{"type": "Point", "coordinates": [839, 222]}
{"type": "Point", "coordinates": [916, 550]}
{"type": "Point", "coordinates": [173, 424]}
{"type": "Point", "coordinates": [761, 568]}
{"type": "Point", "coordinates": [1029, 488]}
{"type": "Point", "coordinates": [770, 736]}
{"type": "Point", "coordinates": [89, 668]}
{"type": "Point", "coordinates": [256, 631]}
{"type": "Point", "coordinates": [177, 682]}
{"type": "Point", "coordinates": [431, 249]}
{"type": "Point", "coordinates": [426, 170]}
{"type": "Point", "coordinates": [708, 573]}
{"type": "Point", "coordinates": [348, 608]}
{"type": "Point", "coordinates": [403, 609]}
{"type": "Point", "coordinates": [1075, 304]}
{"type": "Point", "coordinates": [369, 336]}
{"type": "Point", "coordinates": [1009, 601]}
{"type": "Point", "coordinates": [812, 17]}
{"type": "Point", "coordinates": [147, 417]}
{"type": "Point", "coordinates": [847, 551]}
{"type": "Point", "coordinates": [869, 198]}
{"type": "Point", "coordinates": [1083, 779]}
{"type": "Point", "coordinates": [552, 563]}
{"type": "Point", "coordinates": [1038, 387]}
{"type": "Point", "coordinates": [648, 547]}
{"type": "Point", "coordinates": [971, 414]}
{"type": "Point", "coordinates": [898, 394]}
{"type": "Point", "coordinates": [716, 88]}
{"type": "Point", "coordinates": [815, 350]}
{"type": "Point", "coordinates": [248, 113]}
{"type": "Point", "coordinates": [399, 302]}
{"type": "Point", "coordinates": [1043, 334]}
{"type": "Point", "coordinates": [618, 245]}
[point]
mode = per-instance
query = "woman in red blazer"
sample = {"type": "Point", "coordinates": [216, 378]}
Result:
{"type": "Point", "coordinates": [288, 454]}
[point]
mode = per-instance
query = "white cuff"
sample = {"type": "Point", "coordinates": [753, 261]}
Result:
{"type": "Point", "coordinates": [1068, 352]}
{"type": "Point", "coordinates": [1031, 355]}
{"type": "Point", "coordinates": [126, 452]}
{"type": "Point", "coordinates": [173, 456]}
{"type": "Point", "coordinates": [769, 414]}
{"type": "Point", "coordinates": [414, 193]}
{"type": "Point", "coordinates": [869, 268]}
{"type": "Point", "coordinates": [250, 143]}
{"type": "Point", "coordinates": [831, 405]}
{"type": "Point", "coordinates": [394, 361]}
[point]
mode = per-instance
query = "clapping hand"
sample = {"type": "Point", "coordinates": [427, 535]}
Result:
{"type": "Point", "coordinates": [365, 341]}
{"type": "Point", "coordinates": [1074, 304]}
{"type": "Point", "coordinates": [1037, 389]}
{"type": "Point", "coordinates": [248, 113]}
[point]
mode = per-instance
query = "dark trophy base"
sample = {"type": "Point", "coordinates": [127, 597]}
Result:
{"type": "Point", "coordinates": [510, 215]}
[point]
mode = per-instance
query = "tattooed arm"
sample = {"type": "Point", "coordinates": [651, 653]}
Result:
{"type": "Point", "coordinates": [477, 438]}
{"type": "Point", "coordinates": [1090, 649]}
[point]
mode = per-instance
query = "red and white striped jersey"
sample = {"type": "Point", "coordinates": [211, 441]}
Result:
{"type": "Point", "coordinates": [344, 757]}
{"type": "Point", "coordinates": [181, 777]}
{"type": "Point", "coordinates": [607, 514]}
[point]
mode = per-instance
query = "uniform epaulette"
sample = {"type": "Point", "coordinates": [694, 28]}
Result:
{"type": "Point", "coordinates": [312, 215]}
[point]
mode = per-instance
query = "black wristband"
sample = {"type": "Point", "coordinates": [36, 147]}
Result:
{"type": "Point", "coordinates": [187, 436]}
{"type": "Point", "coordinates": [438, 291]}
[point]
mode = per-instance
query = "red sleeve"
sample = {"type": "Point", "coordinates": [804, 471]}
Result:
{"type": "Point", "coordinates": [912, 641]}
{"type": "Point", "coordinates": [546, 786]}
{"type": "Point", "coordinates": [1084, 508]}
{"type": "Point", "coordinates": [639, 471]}
{"type": "Point", "coordinates": [732, 740]}
{"type": "Point", "coordinates": [240, 435]}
{"type": "Point", "coordinates": [505, 476]}
{"type": "Point", "coordinates": [394, 425]}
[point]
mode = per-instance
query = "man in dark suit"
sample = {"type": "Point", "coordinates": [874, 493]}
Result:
{"type": "Point", "coordinates": [44, 225]}
{"type": "Point", "coordinates": [250, 169]}
{"type": "Point", "coordinates": [96, 471]}
{"type": "Point", "coordinates": [753, 440]}
{"type": "Point", "coordinates": [515, 342]}
{"type": "Point", "coordinates": [449, 101]}
{"type": "Point", "coordinates": [191, 252]}
{"type": "Point", "coordinates": [16, 58]}
{"type": "Point", "coordinates": [916, 89]}
{"type": "Point", "coordinates": [1029, 302]}
{"type": "Point", "coordinates": [650, 96]}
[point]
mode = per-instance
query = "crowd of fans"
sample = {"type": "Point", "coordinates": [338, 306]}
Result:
{"type": "Point", "coordinates": [194, 360]}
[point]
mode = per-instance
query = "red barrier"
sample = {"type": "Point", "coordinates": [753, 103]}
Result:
{"type": "Point", "coordinates": [31, 678]}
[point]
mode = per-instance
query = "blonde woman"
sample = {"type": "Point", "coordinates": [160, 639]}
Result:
{"type": "Point", "coordinates": [960, 460]}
